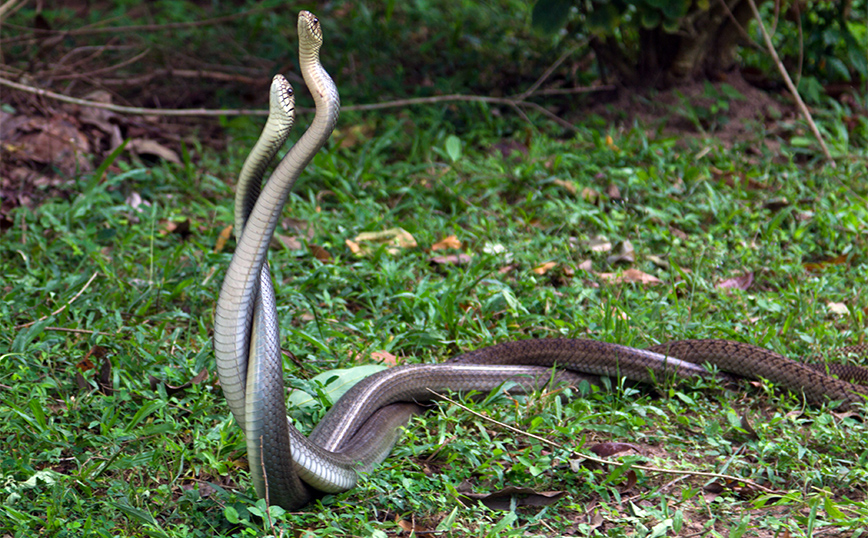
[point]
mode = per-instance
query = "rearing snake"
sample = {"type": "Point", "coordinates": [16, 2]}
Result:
{"type": "Point", "coordinates": [359, 431]}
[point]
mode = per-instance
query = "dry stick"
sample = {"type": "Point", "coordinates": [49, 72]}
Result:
{"type": "Point", "coordinates": [739, 27]}
{"type": "Point", "coordinates": [107, 69]}
{"type": "Point", "coordinates": [801, 104]}
{"type": "Point", "coordinates": [9, 7]}
{"type": "Point", "coordinates": [91, 29]}
{"type": "Point", "coordinates": [265, 480]}
{"type": "Point", "coordinates": [601, 460]}
{"type": "Point", "coordinates": [509, 101]}
{"type": "Point", "coordinates": [548, 72]}
{"type": "Point", "coordinates": [181, 73]}
{"type": "Point", "coordinates": [62, 308]}
{"type": "Point", "coordinates": [129, 109]}
{"type": "Point", "coordinates": [77, 331]}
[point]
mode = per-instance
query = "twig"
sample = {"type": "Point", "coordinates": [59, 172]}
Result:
{"type": "Point", "coordinates": [739, 27]}
{"type": "Point", "coordinates": [10, 7]}
{"type": "Point", "coordinates": [601, 460]}
{"type": "Point", "coordinates": [62, 308]}
{"type": "Point", "coordinates": [78, 331]}
{"type": "Point", "coordinates": [182, 73]}
{"type": "Point", "coordinates": [801, 104]}
{"type": "Point", "coordinates": [508, 101]}
{"type": "Point", "coordinates": [89, 30]}
{"type": "Point", "coordinates": [265, 481]}
{"type": "Point", "coordinates": [548, 72]}
{"type": "Point", "coordinates": [106, 69]}
{"type": "Point", "coordinates": [130, 109]}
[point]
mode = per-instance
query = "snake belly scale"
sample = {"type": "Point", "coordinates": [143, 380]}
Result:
{"type": "Point", "coordinates": [359, 431]}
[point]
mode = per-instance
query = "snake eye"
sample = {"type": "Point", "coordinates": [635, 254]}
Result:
{"type": "Point", "coordinates": [315, 20]}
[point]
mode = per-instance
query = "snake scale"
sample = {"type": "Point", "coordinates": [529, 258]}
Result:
{"type": "Point", "coordinates": [359, 431]}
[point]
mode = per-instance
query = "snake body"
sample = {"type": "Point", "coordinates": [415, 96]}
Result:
{"type": "Point", "coordinates": [359, 431]}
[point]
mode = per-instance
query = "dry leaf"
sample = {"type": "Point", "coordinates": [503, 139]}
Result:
{"type": "Point", "coordinates": [658, 261]}
{"type": "Point", "coordinates": [394, 239]}
{"type": "Point", "coordinates": [568, 185]}
{"type": "Point", "coordinates": [503, 499]}
{"type": "Point", "coordinates": [630, 275]}
{"type": "Point", "coordinates": [816, 267]}
{"type": "Point", "coordinates": [678, 233]}
{"type": "Point", "coordinates": [405, 525]}
{"type": "Point", "coordinates": [741, 282]}
{"type": "Point", "coordinates": [384, 357]}
{"type": "Point", "coordinates": [450, 259]}
{"type": "Point", "coordinates": [104, 381]}
{"type": "Point", "coordinates": [142, 146]}
{"type": "Point", "coordinates": [319, 253]}
{"type": "Point", "coordinates": [610, 448]}
{"type": "Point", "coordinates": [623, 253]}
{"type": "Point", "coordinates": [590, 195]}
{"type": "Point", "coordinates": [174, 389]}
{"type": "Point", "coordinates": [838, 308]}
{"type": "Point", "coordinates": [777, 205]}
{"type": "Point", "coordinates": [447, 243]}
{"type": "Point", "coordinates": [599, 244]}
{"type": "Point", "coordinates": [135, 201]}
{"type": "Point", "coordinates": [497, 249]}
{"type": "Point", "coordinates": [181, 228]}
{"type": "Point", "coordinates": [613, 191]}
{"type": "Point", "coordinates": [544, 268]}
{"type": "Point", "coordinates": [224, 236]}
{"type": "Point", "coordinates": [289, 242]}
{"type": "Point", "coordinates": [586, 265]}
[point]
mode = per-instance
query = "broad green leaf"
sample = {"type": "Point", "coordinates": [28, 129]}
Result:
{"type": "Point", "coordinates": [453, 147]}
{"type": "Point", "coordinates": [334, 384]}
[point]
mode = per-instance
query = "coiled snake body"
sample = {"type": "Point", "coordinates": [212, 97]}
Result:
{"type": "Point", "coordinates": [361, 428]}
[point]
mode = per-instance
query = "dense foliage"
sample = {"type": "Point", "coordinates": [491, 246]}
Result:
{"type": "Point", "coordinates": [673, 41]}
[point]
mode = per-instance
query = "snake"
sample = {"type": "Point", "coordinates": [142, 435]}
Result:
{"type": "Point", "coordinates": [289, 469]}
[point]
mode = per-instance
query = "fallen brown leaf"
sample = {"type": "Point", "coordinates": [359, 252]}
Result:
{"type": "Point", "coordinates": [569, 186]}
{"type": "Point", "coordinates": [816, 267]}
{"type": "Point", "coordinates": [450, 259]}
{"type": "Point", "coordinates": [623, 253]}
{"type": "Point", "coordinates": [610, 448]}
{"type": "Point", "coordinates": [384, 357]}
{"type": "Point", "coordinates": [224, 236]}
{"type": "Point", "coordinates": [503, 499]}
{"type": "Point", "coordinates": [394, 239]}
{"type": "Point", "coordinates": [599, 244]}
{"type": "Point", "coordinates": [446, 243]}
{"type": "Point", "coordinates": [590, 195]}
{"type": "Point", "coordinates": [142, 146]}
{"type": "Point", "coordinates": [544, 268]}
{"type": "Point", "coordinates": [838, 308]}
{"type": "Point", "coordinates": [171, 390]}
{"type": "Point", "coordinates": [319, 253]}
{"type": "Point", "coordinates": [630, 275]}
{"type": "Point", "coordinates": [289, 242]}
{"type": "Point", "coordinates": [741, 282]}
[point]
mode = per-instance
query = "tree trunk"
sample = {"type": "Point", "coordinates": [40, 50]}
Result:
{"type": "Point", "coordinates": [704, 47]}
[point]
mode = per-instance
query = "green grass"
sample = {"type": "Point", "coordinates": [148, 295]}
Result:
{"type": "Point", "coordinates": [106, 430]}
{"type": "Point", "coordinates": [148, 460]}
